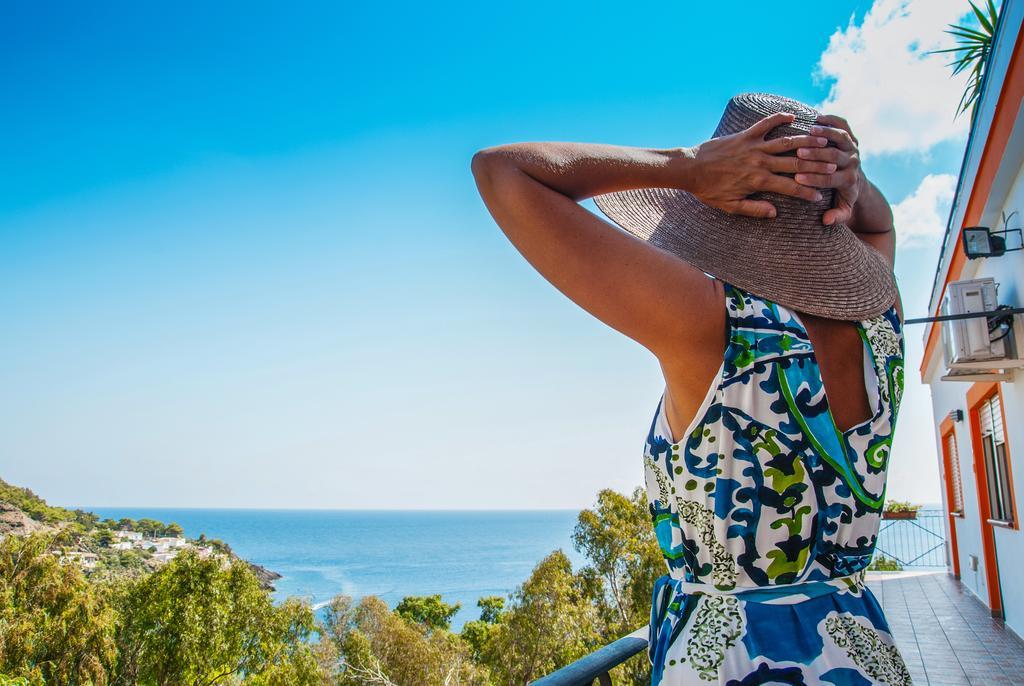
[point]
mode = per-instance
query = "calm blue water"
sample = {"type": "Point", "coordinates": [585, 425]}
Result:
{"type": "Point", "coordinates": [461, 555]}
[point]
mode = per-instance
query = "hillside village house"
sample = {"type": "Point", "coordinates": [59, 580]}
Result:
{"type": "Point", "coordinates": [86, 560]}
{"type": "Point", "coordinates": [170, 542]}
{"type": "Point", "coordinates": [973, 365]}
{"type": "Point", "coordinates": [165, 555]}
{"type": "Point", "coordinates": [163, 547]}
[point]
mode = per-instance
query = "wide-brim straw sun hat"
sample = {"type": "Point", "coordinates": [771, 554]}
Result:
{"type": "Point", "coordinates": [792, 259]}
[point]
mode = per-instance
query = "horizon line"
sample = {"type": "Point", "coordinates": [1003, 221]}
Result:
{"type": "Point", "coordinates": [89, 508]}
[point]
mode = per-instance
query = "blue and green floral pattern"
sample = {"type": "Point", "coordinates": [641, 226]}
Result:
{"type": "Point", "coordinates": [767, 515]}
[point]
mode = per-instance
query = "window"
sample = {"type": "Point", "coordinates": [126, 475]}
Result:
{"type": "Point", "coordinates": [997, 469]}
{"type": "Point", "coordinates": [956, 487]}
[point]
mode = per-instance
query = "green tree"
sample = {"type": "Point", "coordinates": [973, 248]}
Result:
{"type": "Point", "coordinates": [131, 560]}
{"type": "Point", "coordinates": [195, 622]}
{"type": "Point", "coordinates": [55, 627]}
{"type": "Point", "coordinates": [209, 622]}
{"type": "Point", "coordinates": [491, 607]}
{"type": "Point", "coordinates": [379, 647]}
{"type": "Point", "coordinates": [173, 529]}
{"type": "Point", "coordinates": [550, 623]}
{"type": "Point", "coordinates": [624, 562]}
{"type": "Point", "coordinates": [149, 527]}
{"type": "Point", "coordinates": [429, 611]}
{"type": "Point", "coordinates": [619, 542]}
{"type": "Point", "coordinates": [87, 520]}
{"type": "Point", "coordinates": [477, 633]}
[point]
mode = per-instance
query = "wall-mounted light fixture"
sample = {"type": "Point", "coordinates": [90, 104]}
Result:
{"type": "Point", "coordinates": [956, 415]}
{"type": "Point", "coordinates": [981, 241]}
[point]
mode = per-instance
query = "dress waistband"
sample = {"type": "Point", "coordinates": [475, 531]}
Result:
{"type": "Point", "coordinates": [776, 593]}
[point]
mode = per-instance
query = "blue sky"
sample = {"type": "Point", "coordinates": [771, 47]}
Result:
{"type": "Point", "coordinates": [243, 262]}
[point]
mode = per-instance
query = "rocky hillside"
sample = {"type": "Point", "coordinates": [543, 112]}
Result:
{"type": "Point", "coordinates": [13, 521]}
{"type": "Point", "coordinates": [105, 547]}
{"type": "Point", "coordinates": [33, 506]}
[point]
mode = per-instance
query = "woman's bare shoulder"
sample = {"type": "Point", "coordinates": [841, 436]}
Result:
{"type": "Point", "coordinates": [699, 343]}
{"type": "Point", "coordinates": [690, 367]}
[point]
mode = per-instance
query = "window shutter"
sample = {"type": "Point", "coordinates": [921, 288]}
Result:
{"type": "Point", "coordinates": [956, 482]}
{"type": "Point", "coordinates": [997, 469]}
{"type": "Point", "coordinates": [997, 419]}
{"type": "Point", "coordinates": [985, 417]}
{"type": "Point", "coordinates": [990, 414]}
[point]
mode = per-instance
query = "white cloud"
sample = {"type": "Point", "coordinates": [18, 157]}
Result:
{"type": "Point", "coordinates": [920, 218]}
{"type": "Point", "coordinates": [896, 98]}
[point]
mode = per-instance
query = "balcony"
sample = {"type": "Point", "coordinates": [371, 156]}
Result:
{"type": "Point", "coordinates": [946, 635]}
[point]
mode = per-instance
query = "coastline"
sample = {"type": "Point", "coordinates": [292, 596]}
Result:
{"type": "Point", "coordinates": [387, 553]}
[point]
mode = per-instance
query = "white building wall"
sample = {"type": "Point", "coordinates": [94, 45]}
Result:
{"type": "Point", "coordinates": [1010, 542]}
{"type": "Point", "coordinates": [1008, 271]}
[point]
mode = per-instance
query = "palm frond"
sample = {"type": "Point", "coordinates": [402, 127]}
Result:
{"type": "Point", "coordinates": [967, 32]}
{"type": "Point", "coordinates": [972, 51]}
{"type": "Point", "coordinates": [982, 19]}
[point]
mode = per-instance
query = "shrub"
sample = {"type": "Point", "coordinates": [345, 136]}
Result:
{"type": "Point", "coordinates": [901, 506]}
{"type": "Point", "coordinates": [881, 563]}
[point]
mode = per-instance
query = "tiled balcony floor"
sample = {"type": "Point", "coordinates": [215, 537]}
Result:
{"type": "Point", "coordinates": [946, 636]}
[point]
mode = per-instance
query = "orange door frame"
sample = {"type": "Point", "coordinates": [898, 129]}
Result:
{"type": "Point", "coordinates": [946, 429]}
{"type": "Point", "coordinates": [976, 394]}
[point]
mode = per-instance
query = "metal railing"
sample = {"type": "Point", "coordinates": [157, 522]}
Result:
{"type": "Point", "coordinates": [918, 542]}
{"type": "Point", "coordinates": [598, 664]}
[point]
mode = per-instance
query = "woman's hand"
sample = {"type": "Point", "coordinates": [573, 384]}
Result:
{"type": "Point", "coordinates": [847, 178]}
{"type": "Point", "coordinates": [730, 168]}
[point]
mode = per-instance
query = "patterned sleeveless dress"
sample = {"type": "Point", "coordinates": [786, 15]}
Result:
{"type": "Point", "coordinates": [767, 515]}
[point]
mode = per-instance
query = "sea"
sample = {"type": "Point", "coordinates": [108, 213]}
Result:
{"type": "Point", "coordinates": [460, 554]}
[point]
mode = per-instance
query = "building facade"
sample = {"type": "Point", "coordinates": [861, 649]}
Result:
{"type": "Point", "coordinates": [979, 416]}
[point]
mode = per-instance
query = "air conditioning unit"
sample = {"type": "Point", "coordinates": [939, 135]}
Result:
{"type": "Point", "coordinates": [972, 352]}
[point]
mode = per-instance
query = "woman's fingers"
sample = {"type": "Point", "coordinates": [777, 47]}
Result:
{"type": "Point", "coordinates": [817, 180]}
{"type": "Point", "coordinates": [787, 143]}
{"type": "Point", "coordinates": [761, 128]}
{"type": "Point", "coordinates": [794, 165]}
{"type": "Point", "coordinates": [838, 157]}
{"type": "Point", "coordinates": [841, 137]}
{"type": "Point", "coordinates": [761, 209]}
{"type": "Point", "coordinates": [838, 122]}
{"type": "Point", "coordinates": [835, 215]}
{"type": "Point", "coordinates": [788, 186]}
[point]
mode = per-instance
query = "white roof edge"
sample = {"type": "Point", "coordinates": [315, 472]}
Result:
{"type": "Point", "coordinates": [1009, 167]}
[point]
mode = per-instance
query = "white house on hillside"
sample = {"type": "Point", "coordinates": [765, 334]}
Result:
{"type": "Point", "coordinates": [170, 541]}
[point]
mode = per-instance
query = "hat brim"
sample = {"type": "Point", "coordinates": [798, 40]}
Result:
{"type": "Point", "coordinates": [817, 269]}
